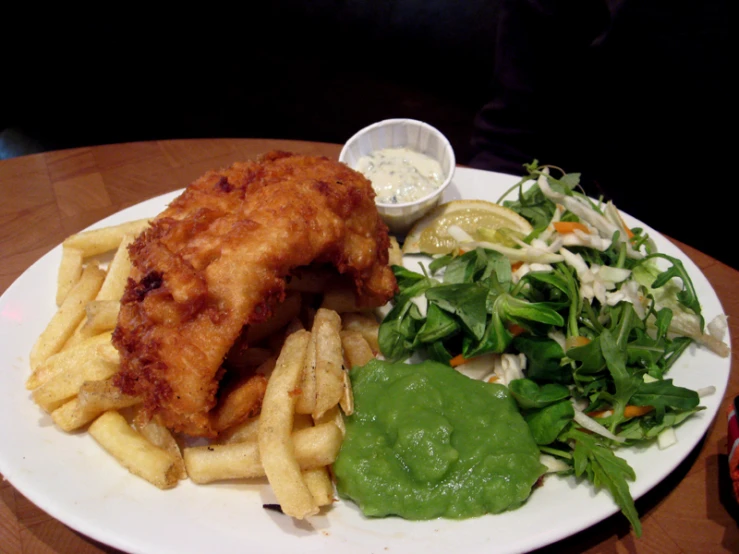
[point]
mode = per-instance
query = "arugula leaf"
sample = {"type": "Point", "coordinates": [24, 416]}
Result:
{"type": "Point", "coordinates": [605, 470]}
{"type": "Point", "coordinates": [687, 296]}
{"type": "Point", "coordinates": [662, 322]}
{"type": "Point", "coordinates": [662, 395]}
{"type": "Point", "coordinates": [645, 351]}
{"type": "Point", "coordinates": [677, 346]}
{"type": "Point", "coordinates": [569, 180]}
{"type": "Point", "coordinates": [532, 204]}
{"type": "Point", "coordinates": [589, 356]}
{"type": "Point", "coordinates": [625, 382]}
{"type": "Point", "coordinates": [648, 428]}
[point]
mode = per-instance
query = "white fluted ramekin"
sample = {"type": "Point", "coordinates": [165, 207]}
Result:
{"type": "Point", "coordinates": [403, 133]}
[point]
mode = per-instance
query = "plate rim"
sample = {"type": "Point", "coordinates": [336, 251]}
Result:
{"type": "Point", "coordinates": [81, 524]}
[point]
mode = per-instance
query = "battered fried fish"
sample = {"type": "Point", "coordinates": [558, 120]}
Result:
{"type": "Point", "coordinates": [216, 260]}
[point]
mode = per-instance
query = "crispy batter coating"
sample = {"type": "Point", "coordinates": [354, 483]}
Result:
{"type": "Point", "coordinates": [216, 260]}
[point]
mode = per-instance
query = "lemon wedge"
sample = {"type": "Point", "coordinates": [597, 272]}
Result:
{"type": "Point", "coordinates": [480, 219]}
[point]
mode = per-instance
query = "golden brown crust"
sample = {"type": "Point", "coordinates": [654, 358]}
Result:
{"type": "Point", "coordinates": [216, 259]}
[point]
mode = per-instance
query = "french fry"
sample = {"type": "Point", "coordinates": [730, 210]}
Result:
{"type": "Point", "coordinates": [108, 353]}
{"type": "Point", "coordinates": [66, 360]}
{"type": "Point", "coordinates": [222, 462]}
{"type": "Point", "coordinates": [314, 447]}
{"type": "Point", "coordinates": [101, 315]}
{"type": "Point", "coordinates": [306, 402]}
{"type": "Point", "coordinates": [292, 442]}
{"type": "Point", "coordinates": [365, 324]}
{"type": "Point", "coordinates": [160, 436]}
{"type": "Point", "coordinates": [329, 361]}
{"type": "Point", "coordinates": [240, 401]}
{"type": "Point", "coordinates": [347, 399]}
{"type": "Point", "coordinates": [276, 447]}
{"type": "Point", "coordinates": [133, 451]}
{"type": "Point", "coordinates": [357, 350]}
{"type": "Point", "coordinates": [68, 316]}
{"type": "Point", "coordinates": [318, 481]}
{"type": "Point", "coordinates": [76, 337]}
{"type": "Point", "coordinates": [118, 271]}
{"type": "Point", "coordinates": [74, 362]}
{"type": "Point", "coordinates": [93, 398]}
{"type": "Point", "coordinates": [394, 253]}
{"type": "Point", "coordinates": [63, 386]}
{"type": "Point", "coordinates": [70, 270]}
{"type": "Point", "coordinates": [70, 416]}
{"type": "Point", "coordinates": [332, 415]}
{"type": "Point", "coordinates": [100, 241]}
{"type": "Point", "coordinates": [111, 291]}
{"type": "Point", "coordinates": [102, 395]}
{"type": "Point", "coordinates": [245, 431]}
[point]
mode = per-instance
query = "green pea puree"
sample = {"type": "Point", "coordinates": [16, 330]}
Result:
{"type": "Point", "coordinates": [426, 441]}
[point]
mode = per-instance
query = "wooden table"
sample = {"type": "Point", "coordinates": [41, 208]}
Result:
{"type": "Point", "coordinates": [46, 197]}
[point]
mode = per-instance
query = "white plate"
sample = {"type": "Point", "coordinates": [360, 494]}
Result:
{"type": "Point", "coordinates": [75, 481]}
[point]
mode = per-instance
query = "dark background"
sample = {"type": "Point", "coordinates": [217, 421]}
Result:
{"type": "Point", "coordinates": [316, 70]}
{"type": "Point", "coordinates": [633, 94]}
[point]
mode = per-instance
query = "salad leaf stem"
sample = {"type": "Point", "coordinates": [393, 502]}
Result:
{"type": "Point", "coordinates": [687, 296]}
{"type": "Point", "coordinates": [556, 452]}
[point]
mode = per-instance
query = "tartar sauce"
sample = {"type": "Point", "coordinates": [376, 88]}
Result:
{"type": "Point", "coordinates": [401, 175]}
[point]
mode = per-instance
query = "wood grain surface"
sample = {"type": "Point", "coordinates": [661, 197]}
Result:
{"type": "Point", "coordinates": [46, 197]}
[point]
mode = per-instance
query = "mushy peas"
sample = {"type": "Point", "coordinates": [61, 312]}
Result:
{"type": "Point", "coordinates": [426, 441]}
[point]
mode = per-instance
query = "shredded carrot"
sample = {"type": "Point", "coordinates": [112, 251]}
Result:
{"type": "Point", "coordinates": [628, 232]}
{"type": "Point", "coordinates": [577, 340]}
{"type": "Point", "coordinates": [493, 378]}
{"type": "Point", "coordinates": [629, 412]}
{"type": "Point", "coordinates": [516, 265]}
{"type": "Point", "coordinates": [515, 330]}
{"type": "Point", "coordinates": [636, 411]}
{"type": "Point", "coordinates": [564, 227]}
{"type": "Point", "coordinates": [457, 360]}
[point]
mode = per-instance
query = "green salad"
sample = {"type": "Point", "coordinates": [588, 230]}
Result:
{"type": "Point", "coordinates": [581, 320]}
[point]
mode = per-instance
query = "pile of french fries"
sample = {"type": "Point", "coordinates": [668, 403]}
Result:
{"type": "Point", "coordinates": [293, 441]}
